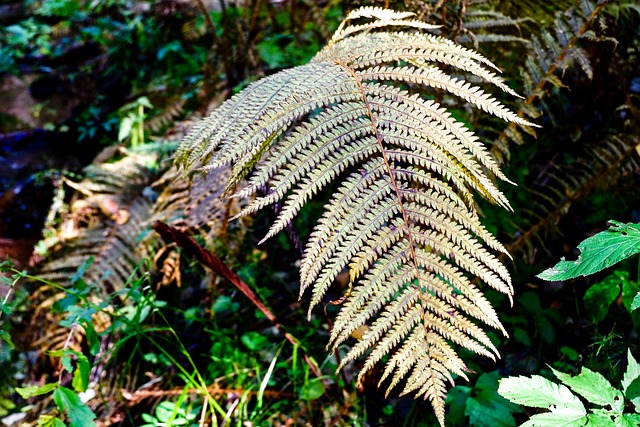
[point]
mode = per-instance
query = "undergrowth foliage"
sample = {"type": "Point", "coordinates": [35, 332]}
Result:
{"type": "Point", "coordinates": [402, 219]}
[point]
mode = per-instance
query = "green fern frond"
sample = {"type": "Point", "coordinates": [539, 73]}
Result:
{"type": "Point", "coordinates": [402, 218]}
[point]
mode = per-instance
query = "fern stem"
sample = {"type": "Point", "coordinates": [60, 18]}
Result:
{"type": "Point", "coordinates": [405, 216]}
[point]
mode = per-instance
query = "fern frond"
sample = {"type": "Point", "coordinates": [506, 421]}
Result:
{"type": "Point", "coordinates": [197, 207]}
{"type": "Point", "coordinates": [115, 193]}
{"type": "Point", "coordinates": [402, 218]}
{"type": "Point", "coordinates": [600, 166]}
{"type": "Point", "coordinates": [550, 53]}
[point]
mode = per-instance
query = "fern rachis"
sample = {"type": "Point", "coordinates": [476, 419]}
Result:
{"type": "Point", "coordinates": [402, 219]}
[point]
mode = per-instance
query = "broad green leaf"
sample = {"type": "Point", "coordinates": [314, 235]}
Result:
{"type": "Point", "coordinates": [488, 409]}
{"type": "Point", "coordinates": [521, 336]}
{"type": "Point", "coordinates": [631, 374]}
{"type": "Point", "coordinates": [599, 297]}
{"type": "Point", "coordinates": [539, 392]}
{"type": "Point", "coordinates": [600, 420]}
{"type": "Point", "coordinates": [633, 392]}
{"type": "Point", "coordinates": [593, 387]}
{"type": "Point", "coordinates": [636, 302]}
{"type": "Point", "coordinates": [312, 390]}
{"type": "Point", "coordinates": [50, 421]}
{"type": "Point", "coordinates": [545, 329]}
{"type": "Point", "coordinates": [255, 341]}
{"type": "Point", "coordinates": [81, 374]}
{"type": "Point", "coordinates": [598, 252]}
{"type": "Point", "coordinates": [457, 399]}
{"type": "Point", "coordinates": [79, 414]}
{"type": "Point", "coordinates": [571, 353]}
{"type": "Point", "coordinates": [631, 420]}
{"type": "Point", "coordinates": [34, 390]}
{"type": "Point", "coordinates": [560, 418]}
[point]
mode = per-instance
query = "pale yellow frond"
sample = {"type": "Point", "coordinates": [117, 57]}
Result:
{"type": "Point", "coordinates": [404, 171]}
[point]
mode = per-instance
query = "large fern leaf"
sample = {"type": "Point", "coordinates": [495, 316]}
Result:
{"type": "Point", "coordinates": [402, 219]}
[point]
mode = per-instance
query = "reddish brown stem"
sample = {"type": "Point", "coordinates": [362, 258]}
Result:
{"type": "Point", "coordinates": [206, 258]}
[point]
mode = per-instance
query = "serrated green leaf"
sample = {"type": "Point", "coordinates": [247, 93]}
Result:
{"type": "Point", "coordinates": [34, 390]}
{"type": "Point", "coordinates": [50, 421]}
{"type": "Point", "coordinates": [600, 420]}
{"type": "Point", "coordinates": [560, 418]}
{"type": "Point", "coordinates": [631, 374]}
{"type": "Point", "coordinates": [599, 297]}
{"type": "Point", "coordinates": [633, 392]}
{"type": "Point", "coordinates": [79, 414]}
{"type": "Point", "coordinates": [539, 392]}
{"type": "Point", "coordinates": [632, 420]}
{"type": "Point", "coordinates": [598, 252]}
{"type": "Point", "coordinates": [592, 386]}
{"type": "Point", "coordinates": [635, 304]}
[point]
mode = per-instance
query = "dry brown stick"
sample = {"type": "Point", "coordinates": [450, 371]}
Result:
{"type": "Point", "coordinates": [216, 264]}
{"type": "Point", "coordinates": [212, 26]}
{"type": "Point", "coordinates": [138, 395]}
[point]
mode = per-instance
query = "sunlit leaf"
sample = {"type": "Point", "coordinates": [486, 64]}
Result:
{"type": "Point", "coordinates": [69, 402]}
{"type": "Point", "coordinates": [560, 418]}
{"type": "Point", "coordinates": [636, 302]}
{"type": "Point", "coordinates": [598, 252]}
{"type": "Point", "coordinates": [628, 420]}
{"type": "Point", "coordinates": [34, 390]}
{"type": "Point", "coordinates": [81, 374]}
{"type": "Point", "coordinates": [539, 392]}
{"type": "Point", "coordinates": [631, 375]}
{"type": "Point", "coordinates": [592, 386]}
{"type": "Point", "coordinates": [602, 420]}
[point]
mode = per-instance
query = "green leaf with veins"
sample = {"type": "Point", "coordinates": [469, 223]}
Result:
{"type": "Point", "coordinates": [539, 392]}
{"type": "Point", "coordinates": [594, 387]}
{"type": "Point", "coordinates": [69, 402]}
{"type": "Point", "coordinates": [598, 252]}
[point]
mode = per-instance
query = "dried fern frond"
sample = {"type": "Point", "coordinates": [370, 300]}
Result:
{"type": "Point", "coordinates": [553, 52]}
{"type": "Point", "coordinates": [560, 186]}
{"type": "Point", "coordinates": [105, 223]}
{"type": "Point", "coordinates": [197, 208]}
{"type": "Point", "coordinates": [402, 219]}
